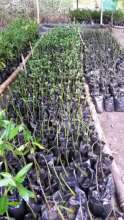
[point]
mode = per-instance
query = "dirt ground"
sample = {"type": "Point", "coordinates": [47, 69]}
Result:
{"type": "Point", "coordinates": [119, 36]}
{"type": "Point", "coordinates": [113, 127]}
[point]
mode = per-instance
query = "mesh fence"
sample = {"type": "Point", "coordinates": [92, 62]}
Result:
{"type": "Point", "coordinates": [50, 10]}
{"type": "Point", "coordinates": [10, 9]}
{"type": "Point", "coordinates": [88, 4]}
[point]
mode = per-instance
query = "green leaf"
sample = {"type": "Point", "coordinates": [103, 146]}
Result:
{"type": "Point", "coordinates": [3, 205]}
{"type": "Point", "coordinates": [23, 172]}
{"type": "Point", "coordinates": [6, 174]}
{"type": "Point", "coordinates": [2, 148]}
{"type": "Point", "coordinates": [22, 147]}
{"type": "Point", "coordinates": [40, 146]}
{"type": "Point", "coordinates": [11, 131]}
{"type": "Point", "coordinates": [4, 182]}
{"type": "Point", "coordinates": [6, 133]}
{"type": "Point", "coordinates": [22, 150]}
{"type": "Point", "coordinates": [14, 131]}
{"type": "Point", "coordinates": [14, 203]}
{"type": "Point", "coordinates": [27, 135]}
{"type": "Point", "coordinates": [2, 65]}
{"type": "Point", "coordinates": [2, 116]}
{"type": "Point", "coordinates": [5, 123]}
{"type": "Point", "coordinates": [25, 193]}
{"type": "Point", "coordinates": [7, 181]}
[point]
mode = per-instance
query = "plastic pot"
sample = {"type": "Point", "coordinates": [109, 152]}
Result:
{"type": "Point", "coordinates": [109, 104]}
{"type": "Point", "coordinates": [18, 212]}
{"type": "Point", "coordinates": [119, 104]}
{"type": "Point", "coordinates": [98, 100]}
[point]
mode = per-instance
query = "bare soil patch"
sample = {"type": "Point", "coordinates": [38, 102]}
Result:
{"type": "Point", "coordinates": [119, 36]}
{"type": "Point", "coordinates": [113, 127]}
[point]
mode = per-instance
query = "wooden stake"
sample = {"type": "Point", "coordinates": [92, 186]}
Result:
{"type": "Point", "coordinates": [38, 11]}
{"type": "Point", "coordinates": [77, 4]}
{"type": "Point", "coordinates": [101, 15]}
{"type": "Point", "coordinates": [13, 76]}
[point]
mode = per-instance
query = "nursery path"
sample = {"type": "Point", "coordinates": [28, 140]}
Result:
{"type": "Point", "coordinates": [119, 35]}
{"type": "Point", "coordinates": [113, 127]}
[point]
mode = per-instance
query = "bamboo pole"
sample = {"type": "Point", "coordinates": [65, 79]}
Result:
{"type": "Point", "coordinates": [4, 86]}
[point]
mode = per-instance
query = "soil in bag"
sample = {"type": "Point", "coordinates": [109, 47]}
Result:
{"type": "Point", "coordinates": [109, 104]}
{"type": "Point", "coordinates": [100, 202]}
{"type": "Point", "coordinates": [119, 104]}
{"type": "Point", "coordinates": [98, 100]}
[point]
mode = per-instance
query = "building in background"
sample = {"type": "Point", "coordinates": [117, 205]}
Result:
{"type": "Point", "coordinates": [87, 4]}
{"type": "Point", "coordinates": [109, 5]}
{"type": "Point", "coordinates": [120, 4]}
{"type": "Point", "coordinates": [96, 4]}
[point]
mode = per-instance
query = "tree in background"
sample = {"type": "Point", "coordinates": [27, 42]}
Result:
{"type": "Point", "coordinates": [10, 9]}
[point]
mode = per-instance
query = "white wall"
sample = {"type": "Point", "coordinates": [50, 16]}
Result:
{"type": "Point", "coordinates": [87, 4]}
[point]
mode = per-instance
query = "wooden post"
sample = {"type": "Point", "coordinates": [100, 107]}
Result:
{"type": "Point", "coordinates": [101, 16]}
{"type": "Point", "coordinates": [77, 4]}
{"type": "Point", "coordinates": [112, 19]}
{"type": "Point", "coordinates": [4, 86]}
{"type": "Point", "coordinates": [38, 11]}
{"type": "Point", "coordinates": [96, 4]}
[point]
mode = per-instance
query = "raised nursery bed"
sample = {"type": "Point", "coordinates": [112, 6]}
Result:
{"type": "Point", "coordinates": [15, 43]}
{"type": "Point", "coordinates": [51, 137]}
{"type": "Point", "coordinates": [104, 66]}
{"type": "Point", "coordinates": [86, 16]}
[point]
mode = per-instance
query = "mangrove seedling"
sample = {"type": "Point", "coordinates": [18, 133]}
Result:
{"type": "Point", "coordinates": [10, 184]}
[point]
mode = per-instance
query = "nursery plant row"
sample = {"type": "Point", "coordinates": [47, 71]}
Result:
{"type": "Point", "coordinates": [52, 163]}
{"type": "Point", "coordinates": [104, 67]}
{"type": "Point", "coordinates": [15, 41]}
{"type": "Point", "coordinates": [88, 16]}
